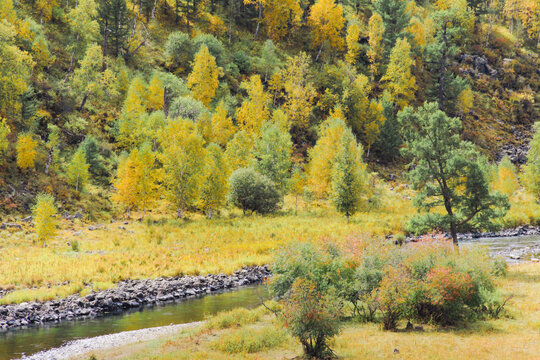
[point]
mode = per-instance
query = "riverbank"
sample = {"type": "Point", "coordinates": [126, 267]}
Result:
{"type": "Point", "coordinates": [513, 336]}
{"type": "Point", "coordinates": [127, 295]}
{"type": "Point", "coordinates": [106, 342]}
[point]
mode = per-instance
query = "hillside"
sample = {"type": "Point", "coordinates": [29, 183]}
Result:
{"type": "Point", "coordinates": [106, 77]}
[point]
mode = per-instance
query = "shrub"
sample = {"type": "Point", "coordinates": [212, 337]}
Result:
{"type": "Point", "coordinates": [313, 317]}
{"type": "Point", "coordinates": [44, 212]}
{"type": "Point", "coordinates": [392, 295]}
{"type": "Point", "coordinates": [254, 192]}
{"type": "Point", "coordinates": [236, 317]}
{"type": "Point", "coordinates": [179, 50]}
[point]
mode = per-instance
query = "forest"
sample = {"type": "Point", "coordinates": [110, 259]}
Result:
{"type": "Point", "coordinates": [142, 139]}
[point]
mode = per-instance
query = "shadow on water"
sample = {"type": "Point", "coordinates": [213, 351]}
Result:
{"type": "Point", "coordinates": [15, 343]}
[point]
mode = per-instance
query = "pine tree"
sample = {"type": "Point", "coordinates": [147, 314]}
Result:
{"type": "Point", "coordinates": [400, 83]}
{"type": "Point", "coordinates": [77, 171]}
{"type": "Point", "coordinates": [389, 140]}
{"type": "Point", "coordinates": [326, 22]}
{"type": "Point", "coordinates": [26, 151]}
{"type": "Point", "coordinates": [395, 18]}
{"type": "Point", "coordinates": [204, 79]}
{"type": "Point", "coordinates": [43, 213]}
{"type": "Point", "coordinates": [446, 172]}
{"type": "Point", "coordinates": [273, 153]}
{"type": "Point", "coordinates": [215, 184]}
{"type": "Point", "coordinates": [348, 176]}
{"type": "Point", "coordinates": [253, 112]}
{"type": "Point", "coordinates": [113, 24]}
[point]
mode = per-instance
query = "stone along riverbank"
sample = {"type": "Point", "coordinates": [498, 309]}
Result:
{"type": "Point", "coordinates": [126, 295]}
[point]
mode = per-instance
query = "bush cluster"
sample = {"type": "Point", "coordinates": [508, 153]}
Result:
{"type": "Point", "coordinates": [430, 281]}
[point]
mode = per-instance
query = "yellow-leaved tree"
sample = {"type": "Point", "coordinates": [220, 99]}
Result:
{"type": "Point", "coordinates": [204, 79]}
{"type": "Point", "coordinates": [215, 184]}
{"type": "Point", "coordinates": [253, 112]}
{"type": "Point", "coordinates": [155, 95]}
{"type": "Point", "coordinates": [326, 22]}
{"type": "Point", "coordinates": [43, 213]}
{"type": "Point", "coordinates": [322, 157]}
{"type": "Point", "coordinates": [147, 187]}
{"type": "Point", "coordinates": [183, 157]}
{"type": "Point", "coordinates": [4, 133]}
{"type": "Point", "coordinates": [222, 128]}
{"type": "Point", "coordinates": [131, 125]}
{"type": "Point", "coordinates": [505, 179]}
{"type": "Point", "coordinates": [376, 45]}
{"type": "Point", "coordinates": [400, 83]}
{"type": "Point", "coordinates": [44, 8]}
{"type": "Point", "coordinates": [77, 170]}
{"type": "Point", "coordinates": [126, 181]}
{"type": "Point", "coordinates": [465, 101]}
{"type": "Point", "coordinates": [26, 151]}
{"type": "Point", "coordinates": [239, 150]}
{"type": "Point", "coordinates": [281, 16]}
{"type": "Point", "coordinates": [353, 46]}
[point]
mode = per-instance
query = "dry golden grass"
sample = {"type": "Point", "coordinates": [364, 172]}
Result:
{"type": "Point", "coordinates": [515, 336]}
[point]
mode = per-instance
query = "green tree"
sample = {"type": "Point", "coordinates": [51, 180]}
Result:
{"type": "Point", "coordinates": [254, 192]}
{"type": "Point", "coordinates": [216, 185]}
{"type": "Point", "coordinates": [389, 140]}
{"type": "Point", "coordinates": [178, 51]}
{"type": "Point", "coordinates": [531, 173]}
{"type": "Point", "coordinates": [77, 170]}
{"type": "Point", "coordinates": [113, 25]}
{"type": "Point", "coordinates": [348, 176]}
{"type": "Point", "coordinates": [273, 153]}
{"type": "Point", "coordinates": [93, 158]}
{"type": "Point", "coordinates": [43, 213]}
{"type": "Point", "coordinates": [446, 171]}
{"type": "Point", "coordinates": [269, 62]}
{"type": "Point", "coordinates": [395, 18]}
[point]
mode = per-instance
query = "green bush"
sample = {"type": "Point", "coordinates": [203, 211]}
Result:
{"type": "Point", "coordinates": [254, 192]}
{"type": "Point", "coordinates": [313, 317]}
{"type": "Point", "coordinates": [236, 317]}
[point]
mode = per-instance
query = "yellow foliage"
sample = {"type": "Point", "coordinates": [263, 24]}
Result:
{"type": "Point", "coordinates": [204, 79]}
{"type": "Point", "coordinates": [127, 177]}
{"type": "Point", "coordinates": [505, 179]}
{"type": "Point", "coordinates": [353, 47]}
{"type": "Point", "coordinates": [281, 16]}
{"type": "Point", "coordinates": [7, 11]}
{"type": "Point", "coordinates": [465, 101]}
{"type": "Point", "coordinates": [400, 82]}
{"type": "Point", "coordinates": [43, 214]}
{"type": "Point", "coordinates": [4, 132]}
{"type": "Point", "coordinates": [376, 46]}
{"type": "Point", "coordinates": [155, 94]}
{"type": "Point", "coordinates": [41, 53]}
{"type": "Point", "coordinates": [326, 22]}
{"type": "Point", "coordinates": [26, 151]}
{"type": "Point", "coordinates": [221, 126]}
{"type": "Point", "coordinates": [239, 151]}
{"type": "Point", "coordinates": [253, 112]}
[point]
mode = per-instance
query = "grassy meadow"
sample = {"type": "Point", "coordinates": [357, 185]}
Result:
{"type": "Point", "coordinates": [255, 334]}
{"type": "Point", "coordinates": [78, 260]}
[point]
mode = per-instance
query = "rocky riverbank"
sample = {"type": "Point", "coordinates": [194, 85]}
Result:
{"type": "Point", "coordinates": [526, 230]}
{"type": "Point", "coordinates": [126, 295]}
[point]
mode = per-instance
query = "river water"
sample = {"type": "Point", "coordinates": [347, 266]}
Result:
{"type": "Point", "coordinates": [16, 343]}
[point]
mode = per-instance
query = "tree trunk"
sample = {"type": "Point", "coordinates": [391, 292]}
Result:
{"type": "Point", "coordinates": [83, 102]}
{"type": "Point", "coordinates": [49, 161]}
{"type": "Point", "coordinates": [319, 53]}
{"type": "Point", "coordinates": [105, 45]}
{"type": "Point", "coordinates": [453, 233]}
{"type": "Point", "coordinates": [443, 68]}
{"type": "Point", "coordinates": [258, 21]}
{"type": "Point", "coordinates": [179, 213]}
{"type": "Point", "coordinates": [166, 102]}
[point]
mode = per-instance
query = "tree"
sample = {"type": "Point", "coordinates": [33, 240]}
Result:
{"type": "Point", "coordinates": [389, 140]}
{"type": "Point", "coordinates": [281, 16]}
{"type": "Point", "coordinates": [297, 184]}
{"type": "Point", "coordinates": [400, 83]}
{"type": "Point", "coordinates": [43, 213]}
{"type": "Point", "coordinates": [26, 151]}
{"type": "Point", "coordinates": [446, 171]}
{"type": "Point", "coordinates": [83, 25]}
{"type": "Point", "coordinates": [215, 185]}
{"type": "Point", "coordinates": [353, 46]}
{"type": "Point", "coordinates": [273, 153]}
{"type": "Point", "coordinates": [147, 188]}
{"type": "Point", "coordinates": [348, 176]}
{"type": "Point", "coordinates": [531, 173]}
{"type": "Point", "coordinates": [326, 22]}
{"type": "Point", "coordinates": [113, 25]}
{"type": "Point", "coordinates": [506, 180]}
{"type": "Point", "coordinates": [269, 61]}
{"type": "Point", "coordinates": [253, 112]}
{"type": "Point", "coordinates": [131, 125]}
{"type": "Point", "coordinates": [376, 44]}
{"type": "Point", "coordinates": [395, 19]}
{"type": "Point", "coordinates": [125, 183]}
{"type": "Point", "coordinates": [155, 96]}
{"type": "Point", "coordinates": [15, 71]}
{"type": "Point", "coordinates": [93, 157]}
{"type": "Point", "coordinates": [183, 156]}
{"type": "Point", "coordinates": [322, 156]}
{"type": "Point", "coordinates": [77, 170]}
{"type": "Point", "coordinates": [4, 133]}
{"type": "Point", "coordinates": [44, 8]}
{"type": "Point", "coordinates": [254, 192]}
{"type": "Point", "coordinates": [53, 141]}
{"type": "Point", "coordinates": [178, 51]}
{"type": "Point", "coordinates": [221, 126]}
{"type": "Point", "coordinates": [204, 79]}
{"type": "Point", "coordinates": [239, 151]}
